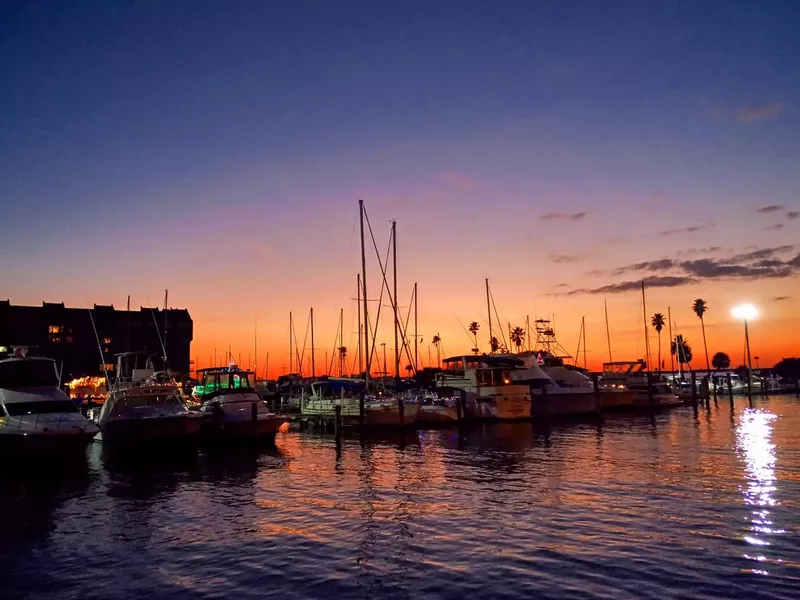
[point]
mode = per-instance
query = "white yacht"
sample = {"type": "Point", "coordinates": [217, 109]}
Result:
{"type": "Point", "coordinates": [630, 376]}
{"type": "Point", "coordinates": [231, 406]}
{"type": "Point", "coordinates": [327, 394]}
{"type": "Point", "coordinates": [35, 414]}
{"type": "Point", "coordinates": [548, 397]}
{"type": "Point", "coordinates": [145, 407]}
{"type": "Point", "coordinates": [490, 391]}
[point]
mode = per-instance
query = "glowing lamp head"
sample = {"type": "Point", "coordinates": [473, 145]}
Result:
{"type": "Point", "coordinates": [744, 312]}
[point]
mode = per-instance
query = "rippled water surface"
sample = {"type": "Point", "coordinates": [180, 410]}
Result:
{"type": "Point", "coordinates": [681, 505]}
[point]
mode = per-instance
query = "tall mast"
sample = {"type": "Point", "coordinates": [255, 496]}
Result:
{"type": "Point", "coordinates": [364, 295]}
{"type": "Point", "coordinates": [313, 366]}
{"type": "Point", "coordinates": [583, 326]}
{"type": "Point", "coordinates": [255, 343]}
{"type": "Point", "coordinates": [341, 342]}
{"type": "Point", "coordinates": [646, 338]}
{"type": "Point", "coordinates": [489, 311]}
{"type": "Point", "coordinates": [608, 333]}
{"type": "Point", "coordinates": [291, 349]}
{"type": "Point", "coordinates": [671, 360]}
{"type": "Point", "coordinates": [394, 303]}
{"type": "Point", "coordinates": [166, 299]}
{"type": "Point", "coordinates": [358, 305]}
{"type": "Point", "coordinates": [416, 339]}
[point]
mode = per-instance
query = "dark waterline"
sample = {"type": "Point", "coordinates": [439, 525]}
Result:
{"type": "Point", "coordinates": [700, 505]}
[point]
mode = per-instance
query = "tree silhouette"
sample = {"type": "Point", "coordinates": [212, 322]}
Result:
{"type": "Point", "coordinates": [409, 369]}
{"type": "Point", "coordinates": [658, 325]}
{"type": "Point", "coordinates": [700, 307]}
{"type": "Point", "coordinates": [683, 351]}
{"type": "Point", "coordinates": [518, 337]}
{"type": "Point", "coordinates": [436, 341]}
{"type": "Point", "coordinates": [721, 361]}
{"type": "Point", "coordinates": [788, 368]}
{"type": "Point", "coordinates": [473, 329]}
{"type": "Point", "coordinates": [342, 355]}
{"type": "Point", "coordinates": [494, 343]}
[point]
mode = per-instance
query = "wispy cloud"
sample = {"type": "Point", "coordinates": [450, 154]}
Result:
{"type": "Point", "coordinates": [765, 210]}
{"type": "Point", "coordinates": [762, 263]}
{"type": "Point", "coordinates": [566, 258]}
{"type": "Point", "coordinates": [457, 180]}
{"type": "Point", "coordinates": [792, 215]}
{"type": "Point", "coordinates": [691, 229]}
{"type": "Point", "coordinates": [563, 216]}
{"type": "Point", "coordinates": [781, 298]}
{"type": "Point", "coordinates": [759, 112]}
{"type": "Point", "coordinates": [773, 227]}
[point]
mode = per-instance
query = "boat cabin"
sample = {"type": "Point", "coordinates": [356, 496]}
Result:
{"type": "Point", "coordinates": [28, 372]}
{"type": "Point", "coordinates": [224, 380]}
{"type": "Point", "coordinates": [22, 373]}
{"type": "Point", "coordinates": [460, 368]}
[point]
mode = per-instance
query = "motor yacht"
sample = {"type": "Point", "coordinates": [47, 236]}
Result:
{"type": "Point", "coordinates": [35, 414]}
{"type": "Point", "coordinates": [380, 409]}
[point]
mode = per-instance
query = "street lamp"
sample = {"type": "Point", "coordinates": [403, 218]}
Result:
{"type": "Point", "coordinates": [746, 312]}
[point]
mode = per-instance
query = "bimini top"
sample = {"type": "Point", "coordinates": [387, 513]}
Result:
{"type": "Point", "coordinates": [28, 372]}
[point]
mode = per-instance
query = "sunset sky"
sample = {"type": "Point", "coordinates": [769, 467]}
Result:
{"type": "Point", "coordinates": [564, 150]}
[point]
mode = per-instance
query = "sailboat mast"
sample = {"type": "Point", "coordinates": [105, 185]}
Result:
{"type": "Point", "coordinates": [646, 337]}
{"type": "Point", "coordinates": [291, 349]}
{"type": "Point", "coordinates": [255, 343]}
{"type": "Point", "coordinates": [341, 342]}
{"type": "Point", "coordinates": [358, 305]}
{"type": "Point", "coordinates": [364, 296]}
{"type": "Point", "coordinates": [394, 302]}
{"type": "Point", "coordinates": [608, 333]}
{"type": "Point", "coordinates": [416, 338]}
{"type": "Point", "coordinates": [313, 363]}
{"type": "Point", "coordinates": [489, 311]}
{"type": "Point", "coordinates": [583, 327]}
{"type": "Point", "coordinates": [671, 359]}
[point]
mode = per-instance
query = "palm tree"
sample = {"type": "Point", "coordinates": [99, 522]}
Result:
{"type": "Point", "coordinates": [473, 329]}
{"type": "Point", "coordinates": [658, 325]}
{"type": "Point", "coordinates": [721, 361]}
{"type": "Point", "coordinates": [700, 307]}
{"type": "Point", "coordinates": [518, 337]}
{"type": "Point", "coordinates": [494, 343]}
{"type": "Point", "coordinates": [409, 369]}
{"type": "Point", "coordinates": [683, 351]}
{"type": "Point", "coordinates": [436, 341]}
{"type": "Point", "coordinates": [342, 355]}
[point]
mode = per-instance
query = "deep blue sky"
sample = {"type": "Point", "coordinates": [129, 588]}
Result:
{"type": "Point", "coordinates": [164, 115]}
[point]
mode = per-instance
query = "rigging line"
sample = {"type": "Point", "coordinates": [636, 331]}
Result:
{"type": "Point", "coordinates": [297, 351]}
{"type": "Point", "coordinates": [499, 322]}
{"type": "Point", "coordinates": [380, 264]}
{"type": "Point", "coordinates": [466, 331]}
{"type": "Point", "coordinates": [305, 339]}
{"type": "Point", "coordinates": [335, 348]}
{"type": "Point", "coordinates": [384, 286]}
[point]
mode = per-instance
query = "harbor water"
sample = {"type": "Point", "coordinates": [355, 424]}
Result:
{"type": "Point", "coordinates": [684, 504]}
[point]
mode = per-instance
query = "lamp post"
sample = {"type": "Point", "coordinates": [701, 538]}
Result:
{"type": "Point", "coordinates": [746, 312]}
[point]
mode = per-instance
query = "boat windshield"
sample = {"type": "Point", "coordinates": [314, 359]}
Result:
{"type": "Point", "coordinates": [151, 400]}
{"type": "Point", "coordinates": [493, 376]}
{"type": "Point", "coordinates": [214, 382]}
{"type": "Point", "coordinates": [28, 373]}
{"type": "Point", "coordinates": [40, 407]}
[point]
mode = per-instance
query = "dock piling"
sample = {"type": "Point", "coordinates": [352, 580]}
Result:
{"type": "Point", "coordinates": [694, 389]}
{"type": "Point", "coordinates": [401, 410]}
{"type": "Point", "coordinates": [730, 390]}
{"type": "Point", "coordinates": [650, 390]}
{"type": "Point", "coordinates": [337, 422]}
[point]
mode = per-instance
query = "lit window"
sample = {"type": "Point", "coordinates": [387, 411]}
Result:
{"type": "Point", "coordinates": [54, 339]}
{"type": "Point", "coordinates": [107, 367]}
{"type": "Point", "coordinates": [105, 350]}
{"type": "Point", "coordinates": [106, 340]}
{"type": "Point", "coordinates": [55, 329]}
{"type": "Point", "coordinates": [3, 348]}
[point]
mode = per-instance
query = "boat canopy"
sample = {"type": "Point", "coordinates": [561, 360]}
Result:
{"type": "Point", "coordinates": [28, 372]}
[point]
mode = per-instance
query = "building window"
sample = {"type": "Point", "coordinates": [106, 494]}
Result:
{"type": "Point", "coordinates": [54, 339]}
{"type": "Point", "coordinates": [69, 339]}
{"type": "Point", "coordinates": [105, 350]}
{"type": "Point", "coordinates": [107, 367]}
{"type": "Point", "coordinates": [55, 329]}
{"type": "Point", "coordinates": [107, 340]}
{"type": "Point", "coordinates": [3, 348]}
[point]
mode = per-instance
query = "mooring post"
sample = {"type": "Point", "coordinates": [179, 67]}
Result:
{"type": "Point", "coordinates": [694, 389]}
{"type": "Point", "coordinates": [337, 423]}
{"type": "Point", "coordinates": [730, 390]}
{"type": "Point", "coordinates": [705, 391]}
{"type": "Point", "coordinates": [361, 400]}
{"type": "Point", "coordinates": [401, 410]}
{"type": "Point", "coordinates": [650, 390]}
{"type": "Point", "coordinates": [254, 417]}
{"type": "Point", "coordinates": [462, 401]}
{"type": "Point", "coordinates": [797, 388]}
{"type": "Point", "coordinates": [764, 391]}
{"type": "Point", "coordinates": [459, 416]}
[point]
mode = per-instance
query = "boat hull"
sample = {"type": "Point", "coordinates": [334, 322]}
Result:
{"type": "Point", "coordinates": [436, 414]}
{"type": "Point", "coordinates": [376, 414]}
{"type": "Point", "coordinates": [564, 404]}
{"type": "Point", "coordinates": [22, 444]}
{"type": "Point", "coordinates": [617, 400]}
{"type": "Point", "coordinates": [155, 429]}
{"type": "Point", "coordinates": [265, 426]}
{"type": "Point", "coordinates": [498, 407]}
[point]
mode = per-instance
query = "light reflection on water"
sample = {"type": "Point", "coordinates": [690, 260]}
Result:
{"type": "Point", "coordinates": [638, 507]}
{"type": "Point", "coordinates": [754, 442]}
